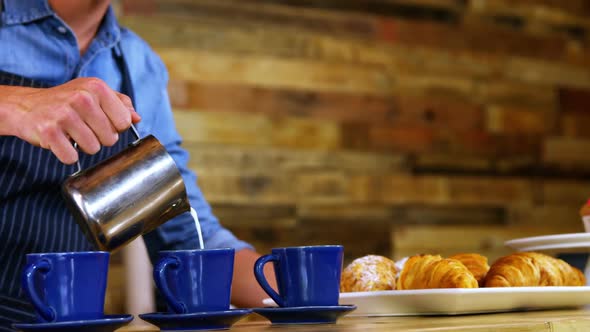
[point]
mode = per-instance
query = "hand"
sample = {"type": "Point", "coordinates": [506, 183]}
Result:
{"type": "Point", "coordinates": [84, 110]}
{"type": "Point", "coordinates": [246, 292]}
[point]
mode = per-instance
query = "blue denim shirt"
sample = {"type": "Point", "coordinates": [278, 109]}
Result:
{"type": "Point", "coordinates": [36, 43]}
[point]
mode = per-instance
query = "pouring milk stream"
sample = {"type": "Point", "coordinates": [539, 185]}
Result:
{"type": "Point", "coordinates": [198, 225]}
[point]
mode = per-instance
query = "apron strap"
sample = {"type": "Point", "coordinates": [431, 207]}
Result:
{"type": "Point", "coordinates": [127, 85]}
{"type": "Point", "coordinates": [7, 78]}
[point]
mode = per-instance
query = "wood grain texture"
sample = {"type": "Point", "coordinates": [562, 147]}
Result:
{"type": "Point", "coordinates": [572, 320]}
{"type": "Point", "coordinates": [566, 151]}
{"type": "Point", "coordinates": [256, 130]}
{"type": "Point", "coordinates": [395, 109]}
{"type": "Point", "coordinates": [381, 28]}
{"type": "Point", "coordinates": [421, 125]}
{"type": "Point", "coordinates": [241, 159]}
{"type": "Point", "coordinates": [268, 71]}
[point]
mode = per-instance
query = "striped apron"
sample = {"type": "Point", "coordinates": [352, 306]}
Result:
{"type": "Point", "coordinates": [33, 214]}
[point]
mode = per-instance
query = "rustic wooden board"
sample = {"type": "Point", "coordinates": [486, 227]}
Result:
{"type": "Point", "coordinates": [264, 41]}
{"type": "Point", "coordinates": [190, 65]}
{"type": "Point", "coordinates": [335, 187]}
{"type": "Point", "coordinates": [574, 125]}
{"type": "Point", "coordinates": [256, 130]}
{"type": "Point", "coordinates": [566, 151]}
{"type": "Point", "coordinates": [270, 13]}
{"type": "Point", "coordinates": [546, 73]}
{"type": "Point", "coordinates": [504, 41]}
{"type": "Point", "coordinates": [278, 41]}
{"type": "Point", "coordinates": [547, 214]}
{"type": "Point", "coordinates": [504, 92]}
{"type": "Point", "coordinates": [223, 128]}
{"type": "Point", "coordinates": [441, 162]}
{"type": "Point", "coordinates": [568, 13]}
{"type": "Point", "coordinates": [328, 187]}
{"type": "Point", "coordinates": [277, 131]}
{"type": "Point", "coordinates": [491, 190]}
{"type": "Point", "coordinates": [240, 159]}
{"type": "Point", "coordinates": [362, 213]}
{"type": "Point", "coordinates": [399, 109]}
{"type": "Point", "coordinates": [472, 190]}
{"type": "Point", "coordinates": [400, 138]}
{"type": "Point", "coordinates": [574, 117]}
{"type": "Point", "coordinates": [254, 39]}
{"type": "Point", "coordinates": [448, 214]}
{"type": "Point", "coordinates": [440, 10]}
{"type": "Point", "coordinates": [255, 215]}
{"type": "Point", "coordinates": [247, 189]}
{"type": "Point", "coordinates": [424, 33]}
{"type": "Point", "coordinates": [568, 192]}
{"type": "Point", "coordinates": [519, 120]}
{"type": "Point", "coordinates": [404, 189]}
{"type": "Point", "coordinates": [573, 100]}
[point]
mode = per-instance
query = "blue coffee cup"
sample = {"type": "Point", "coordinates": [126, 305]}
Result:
{"type": "Point", "coordinates": [66, 286]}
{"type": "Point", "coordinates": [306, 276]}
{"type": "Point", "coordinates": [195, 280]}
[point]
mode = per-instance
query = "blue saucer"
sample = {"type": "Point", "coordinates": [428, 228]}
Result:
{"type": "Point", "coordinates": [107, 324]}
{"type": "Point", "coordinates": [305, 315]}
{"type": "Point", "coordinates": [210, 320]}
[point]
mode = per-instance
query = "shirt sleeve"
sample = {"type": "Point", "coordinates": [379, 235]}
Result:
{"type": "Point", "coordinates": [179, 232]}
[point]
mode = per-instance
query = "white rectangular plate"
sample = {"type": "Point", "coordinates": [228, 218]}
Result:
{"type": "Point", "coordinates": [457, 301]}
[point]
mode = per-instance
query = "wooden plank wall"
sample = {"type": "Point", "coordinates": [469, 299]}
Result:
{"type": "Point", "coordinates": [389, 126]}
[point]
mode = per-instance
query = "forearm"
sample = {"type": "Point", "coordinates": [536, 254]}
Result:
{"type": "Point", "coordinates": [245, 289]}
{"type": "Point", "coordinates": [9, 109]}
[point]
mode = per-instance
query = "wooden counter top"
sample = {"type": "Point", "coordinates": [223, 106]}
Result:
{"type": "Point", "coordinates": [550, 321]}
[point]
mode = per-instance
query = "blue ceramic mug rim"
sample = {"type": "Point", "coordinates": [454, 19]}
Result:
{"type": "Point", "coordinates": [196, 250]}
{"type": "Point", "coordinates": [69, 253]}
{"type": "Point", "coordinates": [326, 246]}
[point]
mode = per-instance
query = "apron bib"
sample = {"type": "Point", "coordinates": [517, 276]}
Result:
{"type": "Point", "coordinates": [33, 215]}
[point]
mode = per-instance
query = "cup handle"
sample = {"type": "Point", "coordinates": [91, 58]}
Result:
{"type": "Point", "coordinates": [160, 280]}
{"type": "Point", "coordinates": [259, 274]}
{"type": "Point", "coordinates": [28, 282]}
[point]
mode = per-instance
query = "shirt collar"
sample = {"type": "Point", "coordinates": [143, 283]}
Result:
{"type": "Point", "coordinates": [24, 11]}
{"type": "Point", "coordinates": [107, 36]}
{"type": "Point", "coordinates": [109, 32]}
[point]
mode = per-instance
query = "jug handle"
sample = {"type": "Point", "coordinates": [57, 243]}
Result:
{"type": "Point", "coordinates": [133, 129]}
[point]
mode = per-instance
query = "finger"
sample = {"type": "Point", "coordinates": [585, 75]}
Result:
{"type": "Point", "coordinates": [135, 117]}
{"type": "Point", "coordinates": [61, 147]}
{"type": "Point", "coordinates": [79, 131]}
{"type": "Point", "coordinates": [87, 107]}
{"type": "Point", "coordinates": [85, 138]}
{"type": "Point", "coordinates": [117, 113]}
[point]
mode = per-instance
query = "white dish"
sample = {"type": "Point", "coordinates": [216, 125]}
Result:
{"type": "Point", "coordinates": [457, 301]}
{"type": "Point", "coordinates": [551, 242]}
{"type": "Point", "coordinates": [564, 247]}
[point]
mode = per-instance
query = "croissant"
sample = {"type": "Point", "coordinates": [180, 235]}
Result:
{"type": "Point", "coordinates": [532, 269]}
{"type": "Point", "coordinates": [433, 271]}
{"type": "Point", "coordinates": [369, 273]}
{"type": "Point", "coordinates": [476, 264]}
